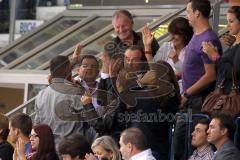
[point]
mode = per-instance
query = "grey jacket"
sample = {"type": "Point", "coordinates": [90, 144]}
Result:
{"type": "Point", "coordinates": [46, 102]}
{"type": "Point", "coordinates": [228, 151]}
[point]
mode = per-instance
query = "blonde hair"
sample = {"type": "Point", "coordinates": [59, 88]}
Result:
{"type": "Point", "coordinates": [109, 145]}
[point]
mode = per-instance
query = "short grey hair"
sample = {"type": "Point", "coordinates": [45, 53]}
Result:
{"type": "Point", "coordinates": [124, 12]}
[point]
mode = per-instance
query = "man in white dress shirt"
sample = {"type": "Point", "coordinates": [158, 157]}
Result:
{"type": "Point", "coordinates": [134, 146]}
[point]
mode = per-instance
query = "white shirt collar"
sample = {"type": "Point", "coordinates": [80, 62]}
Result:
{"type": "Point", "coordinates": [142, 155]}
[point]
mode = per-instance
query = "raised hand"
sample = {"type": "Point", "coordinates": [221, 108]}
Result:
{"type": "Point", "coordinates": [105, 62]}
{"type": "Point", "coordinates": [90, 156]}
{"type": "Point", "coordinates": [116, 65]}
{"type": "Point", "coordinates": [77, 51]}
{"type": "Point", "coordinates": [19, 150]}
{"type": "Point", "coordinates": [147, 38]}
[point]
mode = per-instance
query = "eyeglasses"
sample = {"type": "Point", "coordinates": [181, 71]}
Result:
{"type": "Point", "coordinates": [33, 136]}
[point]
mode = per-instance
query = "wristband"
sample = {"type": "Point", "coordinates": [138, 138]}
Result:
{"type": "Point", "coordinates": [215, 57]}
{"type": "Point", "coordinates": [148, 52]}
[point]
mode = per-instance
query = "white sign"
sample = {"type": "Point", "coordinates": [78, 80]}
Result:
{"type": "Point", "coordinates": [46, 13]}
{"type": "Point", "coordinates": [24, 26]}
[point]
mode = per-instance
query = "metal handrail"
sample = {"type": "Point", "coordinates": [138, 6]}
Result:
{"type": "Point", "coordinates": [51, 41]}
{"type": "Point", "coordinates": [84, 43]}
{"type": "Point", "coordinates": [32, 33]}
{"type": "Point", "coordinates": [21, 107]}
{"type": "Point", "coordinates": [165, 19]}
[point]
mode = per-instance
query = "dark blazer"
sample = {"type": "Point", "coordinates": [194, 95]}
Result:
{"type": "Point", "coordinates": [229, 59]}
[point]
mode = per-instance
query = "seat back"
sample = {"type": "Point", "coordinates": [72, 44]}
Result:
{"type": "Point", "coordinates": [237, 133]}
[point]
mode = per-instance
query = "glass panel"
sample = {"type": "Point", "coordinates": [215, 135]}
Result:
{"type": "Point", "coordinates": [98, 44]}
{"type": "Point", "coordinates": [59, 47]}
{"type": "Point", "coordinates": [141, 21]}
{"type": "Point", "coordinates": [162, 29]}
{"type": "Point", "coordinates": [39, 38]}
{"type": "Point", "coordinates": [30, 109]}
{"type": "Point", "coordinates": [33, 90]}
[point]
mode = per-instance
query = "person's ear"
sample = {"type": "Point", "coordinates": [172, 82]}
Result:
{"type": "Point", "coordinates": [17, 131]}
{"type": "Point", "coordinates": [130, 147]}
{"type": "Point", "coordinates": [224, 131]}
{"type": "Point", "coordinates": [197, 13]}
{"type": "Point", "coordinates": [111, 154]}
{"type": "Point", "coordinates": [1, 130]}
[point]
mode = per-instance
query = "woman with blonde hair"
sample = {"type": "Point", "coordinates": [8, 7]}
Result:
{"type": "Point", "coordinates": [104, 148]}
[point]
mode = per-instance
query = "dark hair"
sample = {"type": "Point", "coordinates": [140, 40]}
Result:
{"type": "Point", "coordinates": [181, 26]}
{"type": "Point", "coordinates": [23, 122]}
{"type": "Point", "coordinates": [226, 121]}
{"type": "Point", "coordinates": [135, 137]}
{"type": "Point", "coordinates": [236, 11]}
{"type": "Point", "coordinates": [203, 6]}
{"type": "Point", "coordinates": [123, 12]}
{"type": "Point", "coordinates": [46, 147]}
{"type": "Point", "coordinates": [75, 145]}
{"type": "Point", "coordinates": [58, 66]}
{"type": "Point", "coordinates": [204, 121]}
{"type": "Point", "coordinates": [4, 122]}
{"type": "Point", "coordinates": [143, 58]}
{"type": "Point", "coordinates": [136, 48]}
{"type": "Point", "coordinates": [79, 60]}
